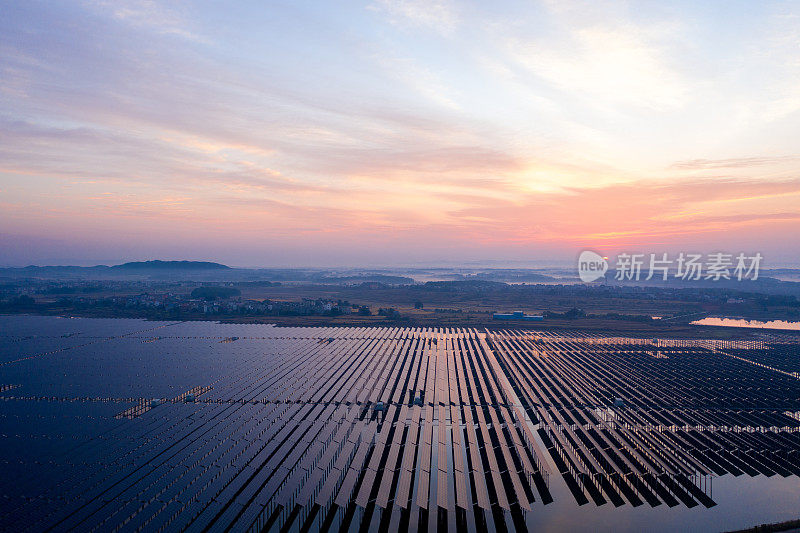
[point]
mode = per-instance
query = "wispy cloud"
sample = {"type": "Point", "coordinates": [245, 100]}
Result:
{"type": "Point", "coordinates": [437, 15]}
{"type": "Point", "coordinates": [612, 61]}
{"type": "Point", "coordinates": [405, 126]}
{"type": "Point", "coordinates": [738, 162]}
{"type": "Point", "coordinates": [152, 15]}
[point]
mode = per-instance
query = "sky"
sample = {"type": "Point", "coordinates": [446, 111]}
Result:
{"type": "Point", "coordinates": [397, 132]}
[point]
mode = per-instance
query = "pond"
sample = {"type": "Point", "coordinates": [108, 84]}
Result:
{"type": "Point", "coordinates": [744, 323]}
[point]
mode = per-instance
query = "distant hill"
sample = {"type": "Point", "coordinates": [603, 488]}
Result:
{"type": "Point", "coordinates": [149, 266]}
{"type": "Point", "coordinates": [462, 286]}
{"type": "Point", "coordinates": [513, 276]}
{"type": "Point", "coordinates": [368, 278]}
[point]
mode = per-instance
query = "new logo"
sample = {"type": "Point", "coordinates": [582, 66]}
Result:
{"type": "Point", "coordinates": [591, 266]}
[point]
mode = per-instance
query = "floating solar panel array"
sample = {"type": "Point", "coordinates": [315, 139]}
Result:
{"type": "Point", "coordinates": [626, 422]}
{"type": "Point", "coordinates": [132, 425]}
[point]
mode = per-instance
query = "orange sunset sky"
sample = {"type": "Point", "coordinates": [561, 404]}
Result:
{"type": "Point", "coordinates": [397, 132]}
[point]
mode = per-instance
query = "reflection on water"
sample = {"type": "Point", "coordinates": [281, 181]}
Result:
{"type": "Point", "coordinates": [741, 502]}
{"type": "Point", "coordinates": [742, 323]}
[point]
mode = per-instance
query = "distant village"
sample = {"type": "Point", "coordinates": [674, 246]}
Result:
{"type": "Point", "coordinates": [457, 302]}
{"type": "Point", "coordinates": [238, 305]}
{"type": "Point", "coordinates": [205, 300]}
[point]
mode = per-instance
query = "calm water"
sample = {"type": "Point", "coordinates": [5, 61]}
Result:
{"type": "Point", "coordinates": [742, 323]}
{"type": "Point", "coordinates": [741, 502]}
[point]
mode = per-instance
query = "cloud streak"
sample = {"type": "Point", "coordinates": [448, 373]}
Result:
{"type": "Point", "coordinates": [739, 162]}
{"type": "Point", "coordinates": [395, 128]}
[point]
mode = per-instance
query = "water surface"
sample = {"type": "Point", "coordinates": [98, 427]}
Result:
{"type": "Point", "coordinates": [744, 323]}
